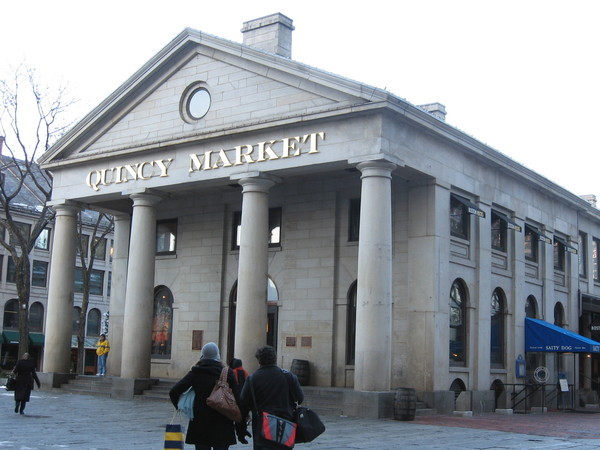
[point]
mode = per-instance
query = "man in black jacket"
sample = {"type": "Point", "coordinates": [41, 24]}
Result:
{"type": "Point", "coordinates": [275, 391]}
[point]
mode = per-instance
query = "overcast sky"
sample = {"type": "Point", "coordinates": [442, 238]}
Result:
{"type": "Point", "coordinates": [522, 76]}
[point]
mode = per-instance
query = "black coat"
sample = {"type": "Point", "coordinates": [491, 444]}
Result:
{"type": "Point", "coordinates": [276, 391]}
{"type": "Point", "coordinates": [25, 372]}
{"type": "Point", "coordinates": [208, 427]}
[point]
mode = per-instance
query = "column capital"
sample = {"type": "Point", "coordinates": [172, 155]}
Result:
{"type": "Point", "coordinates": [256, 184]}
{"type": "Point", "coordinates": [376, 169]}
{"type": "Point", "coordinates": [66, 209]}
{"type": "Point", "coordinates": [144, 199]}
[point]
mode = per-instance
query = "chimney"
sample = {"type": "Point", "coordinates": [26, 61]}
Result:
{"type": "Point", "coordinates": [590, 198]}
{"type": "Point", "coordinates": [270, 33]}
{"type": "Point", "coordinates": [435, 109]}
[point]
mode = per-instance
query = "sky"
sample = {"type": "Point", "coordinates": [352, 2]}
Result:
{"type": "Point", "coordinates": [522, 76]}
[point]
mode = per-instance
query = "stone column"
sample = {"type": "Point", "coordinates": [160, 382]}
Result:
{"type": "Point", "coordinates": [139, 296]}
{"type": "Point", "coordinates": [251, 310]}
{"type": "Point", "coordinates": [59, 316]}
{"type": "Point", "coordinates": [374, 286]}
{"type": "Point", "coordinates": [479, 313]}
{"type": "Point", "coordinates": [117, 293]}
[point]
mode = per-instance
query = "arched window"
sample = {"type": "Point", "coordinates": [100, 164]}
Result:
{"type": "Point", "coordinates": [457, 319]}
{"type": "Point", "coordinates": [162, 323]}
{"type": "Point", "coordinates": [11, 314]}
{"type": "Point", "coordinates": [457, 387]}
{"type": "Point", "coordinates": [531, 307]}
{"type": "Point", "coordinates": [351, 325]}
{"type": "Point", "coordinates": [76, 313]}
{"type": "Point", "coordinates": [36, 317]}
{"type": "Point", "coordinates": [559, 315]}
{"type": "Point", "coordinates": [497, 329]}
{"type": "Point", "coordinates": [93, 323]}
{"type": "Point", "coordinates": [272, 316]}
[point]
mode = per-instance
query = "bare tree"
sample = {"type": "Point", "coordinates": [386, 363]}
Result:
{"type": "Point", "coordinates": [102, 227]}
{"type": "Point", "coordinates": [31, 119]}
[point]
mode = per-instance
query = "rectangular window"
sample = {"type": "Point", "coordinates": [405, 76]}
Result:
{"type": "Point", "coordinates": [166, 237]}
{"type": "Point", "coordinates": [85, 243]}
{"type": "Point", "coordinates": [100, 248]}
{"type": "Point", "coordinates": [559, 254]}
{"type": "Point", "coordinates": [1, 266]}
{"type": "Point", "coordinates": [108, 283]}
{"type": "Point", "coordinates": [531, 243]}
{"type": "Point", "coordinates": [10, 270]}
{"type": "Point", "coordinates": [236, 230]}
{"type": "Point", "coordinates": [96, 281]}
{"type": "Point", "coordinates": [354, 220]}
{"type": "Point", "coordinates": [274, 228]}
{"type": "Point", "coordinates": [43, 240]}
{"type": "Point", "coordinates": [459, 220]}
{"type": "Point", "coordinates": [460, 211]}
{"type": "Point", "coordinates": [582, 254]}
{"type": "Point", "coordinates": [595, 249]}
{"type": "Point", "coordinates": [499, 227]}
{"type": "Point", "coordinates": [39, 273]}
{"type": "Point", "coordinates": [24, 230]}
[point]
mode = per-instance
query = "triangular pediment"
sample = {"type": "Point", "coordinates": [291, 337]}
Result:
{"type": "Point", "coordinates": [246, 87]}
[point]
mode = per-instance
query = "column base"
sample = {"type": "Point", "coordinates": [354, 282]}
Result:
{"type": "Point", "coordinates": [50, 380]}
{"type": "Point", "coordinates": [126, 388]}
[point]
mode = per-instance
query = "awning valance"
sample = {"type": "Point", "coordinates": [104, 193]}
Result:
{"type": "Point", "coordinates": [37, 339]}
{"type": "Point", "coordinates": [11, 337]}
{"type": "Point", "coordinates": [511, 225]}
{"type": "Point", "coordinates": [568, 247]}
{"type": "Point", "coordinates": [472, 208]}
{"type": "Point", "coordinates": [541, 336]}
{"type": "Point", "coordinates": [539, 234]}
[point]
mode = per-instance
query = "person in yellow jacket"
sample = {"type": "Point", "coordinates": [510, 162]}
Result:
{"type": "Point", "coordinates": [103, 347]}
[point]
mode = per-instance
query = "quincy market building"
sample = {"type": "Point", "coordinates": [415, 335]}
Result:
{"type": "Point", "coordinates": [260, 200]}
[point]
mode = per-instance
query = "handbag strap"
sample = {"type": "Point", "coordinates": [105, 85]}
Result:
{"type": "Point", "coordinates": [253, 396]}
{"type": "Point", "coordinates": [223, 377]}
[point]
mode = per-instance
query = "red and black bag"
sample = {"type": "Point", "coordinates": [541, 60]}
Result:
{"type": "Point", "coordinates": [278, 430]}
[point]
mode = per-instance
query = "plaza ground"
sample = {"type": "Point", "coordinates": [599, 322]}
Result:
{"type": "Point", "coordinates": [58, 420]}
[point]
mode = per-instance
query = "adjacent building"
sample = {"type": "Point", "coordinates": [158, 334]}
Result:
{"type": "Point", "coordinates": [25, 208]}
{"type": "Point", "coordinates": [260, 200]}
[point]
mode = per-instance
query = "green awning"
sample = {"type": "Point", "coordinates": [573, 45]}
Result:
{"type": "Point", "coordinates": [11, 337]}
{"type": "Point", "coordinates": [36, 339]}
{"type": "Point", "coordinates": [1, 339]}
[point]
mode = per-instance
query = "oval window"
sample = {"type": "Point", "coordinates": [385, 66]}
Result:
{"type": "Point", "coordinates": [198, 103]}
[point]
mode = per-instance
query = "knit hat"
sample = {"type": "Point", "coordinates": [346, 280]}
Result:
{"type": "Point", "coordinates": [210, 351]}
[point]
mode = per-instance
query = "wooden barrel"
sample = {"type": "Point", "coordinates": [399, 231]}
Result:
{"type": "Point", "coordinates": [405, 404]}
{"type": "Point", "coordinates": [301, 369]}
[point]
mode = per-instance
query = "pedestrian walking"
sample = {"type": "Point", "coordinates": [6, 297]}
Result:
{"type": "Point", "coordinates": [240, 373]}
{"type": "Point", "coordinates": [209, 429]}
{"type": "Point", "coordinates": [25, 376]}
{"type": "Point", "coordinates": [275, 391]}
{"type": "Point", "coordinates": [102, 349]}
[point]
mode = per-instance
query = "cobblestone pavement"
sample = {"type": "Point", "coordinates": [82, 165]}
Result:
{"type": "Point", "coordinates": [58, 420]}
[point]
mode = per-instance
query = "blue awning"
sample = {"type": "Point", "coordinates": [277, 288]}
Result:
{"type": "Point", "coordinates": [542, 336]}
